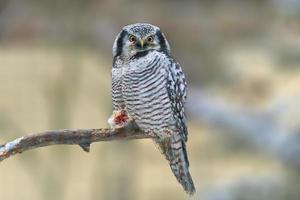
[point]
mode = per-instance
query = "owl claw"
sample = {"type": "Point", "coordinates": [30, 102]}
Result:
{"type": "Point", "coordinates": [118, 119]}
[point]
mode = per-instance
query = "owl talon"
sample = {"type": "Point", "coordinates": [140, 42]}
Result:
{"type": "Point", "coordinates": [118, 119]}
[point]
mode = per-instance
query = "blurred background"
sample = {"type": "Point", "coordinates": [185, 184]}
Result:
{"type": "Point", "coordinates": [242, 62]}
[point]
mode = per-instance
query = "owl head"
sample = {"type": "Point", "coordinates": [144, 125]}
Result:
{"type": "Point", "coordinates": [137, 38]}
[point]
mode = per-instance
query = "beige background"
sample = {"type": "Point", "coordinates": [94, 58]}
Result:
{"type": "Point", "coordinates": [242, 61]}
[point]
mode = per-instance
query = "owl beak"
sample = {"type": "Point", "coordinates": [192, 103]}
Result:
{"type": "Point", "coordinates": [142, 43]}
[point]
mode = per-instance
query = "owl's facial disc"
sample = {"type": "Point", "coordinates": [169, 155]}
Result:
{"type": "Point", "coordinates": [136, 38]}
{"type": "Point", "coordinates": [145, 43]}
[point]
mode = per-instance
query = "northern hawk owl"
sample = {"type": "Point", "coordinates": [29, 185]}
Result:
{"type": "Point", "coordinates": [149, 87]}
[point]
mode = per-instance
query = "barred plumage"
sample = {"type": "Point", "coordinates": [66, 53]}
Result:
{"type": "Point", "coordinates": [150, 86]}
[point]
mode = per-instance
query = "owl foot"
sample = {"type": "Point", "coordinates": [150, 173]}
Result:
{"type": "Point", "coordinates": [118, 119]}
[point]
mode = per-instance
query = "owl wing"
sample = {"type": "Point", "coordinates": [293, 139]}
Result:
{"type": "Point", "coordinates": [175, 150]}
{"type": "Point", "coordinates": [177, 92]}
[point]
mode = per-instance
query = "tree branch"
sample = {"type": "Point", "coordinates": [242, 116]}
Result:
{"type": "Point", "coordinates": [82, 137]}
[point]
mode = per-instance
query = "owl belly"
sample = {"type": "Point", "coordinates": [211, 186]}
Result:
{"type": "Point", "coordinates": [146, 98]}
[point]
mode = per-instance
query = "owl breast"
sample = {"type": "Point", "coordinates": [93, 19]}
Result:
{"type": "Point", "coordinates": [117, 99]}
{"type": "Point", "coordinates": [145, 94]}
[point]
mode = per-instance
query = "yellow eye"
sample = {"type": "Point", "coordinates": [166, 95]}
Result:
{"type": "Point", "coordinates": [150, 39]}
{"type": "Point", "coordinates": [132, 38]}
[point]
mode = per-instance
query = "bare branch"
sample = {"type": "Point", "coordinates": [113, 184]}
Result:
{"type": "Point", "coordinates": [82, 137]}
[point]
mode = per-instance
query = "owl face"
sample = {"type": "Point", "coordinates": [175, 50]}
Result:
{"type": "Point", "coordinates": [138, 38]}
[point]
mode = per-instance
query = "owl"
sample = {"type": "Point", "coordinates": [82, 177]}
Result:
{"type": "Point", "coordinates": [149, 88]}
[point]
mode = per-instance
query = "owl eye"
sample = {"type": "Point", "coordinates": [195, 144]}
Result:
{"type": "Point", "coordinates": [132, 38]}
{"type": "Point", "coordinates": [150, 39]}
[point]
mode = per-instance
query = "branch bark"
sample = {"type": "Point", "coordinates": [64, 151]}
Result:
{"type": "Point", "coordinates": [81, 137]}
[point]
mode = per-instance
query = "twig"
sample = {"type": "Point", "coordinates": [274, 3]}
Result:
{"type": "Point", "coordinates": [82, 137]}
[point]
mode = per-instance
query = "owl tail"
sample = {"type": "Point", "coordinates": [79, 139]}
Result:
{"type": "Point", "coordinates": [174, 150]}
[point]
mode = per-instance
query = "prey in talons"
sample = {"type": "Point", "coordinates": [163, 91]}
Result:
{"type": "Point", "coordinates": [119, 119]}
